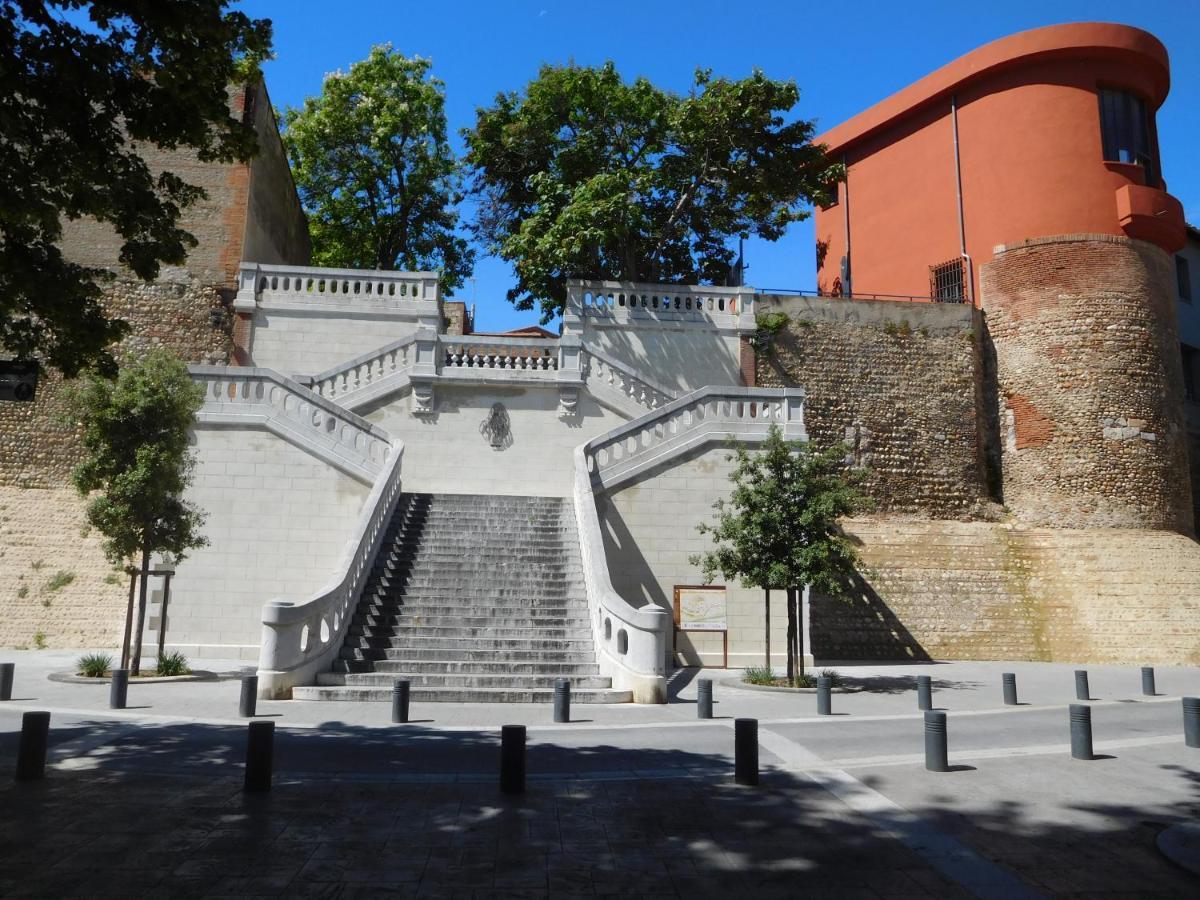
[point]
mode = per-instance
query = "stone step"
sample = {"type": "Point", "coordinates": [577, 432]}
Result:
{"type": "Point", "coordinates": [417, 619]}
{"type": "Point", "coordinates": [396, 668]}
{"type": "Point", "coordinates": [446, 643]}
{"type": "Point", "coordinates": [460, 680]}
{"type": "Point", "coordinates": [411, 656]}
{"type": "Point", "coordinates": [460, 695]}
{"type": "Point", "coordinates": [543, 632]}
{"type": "Point", "coordinates": [409, 605]}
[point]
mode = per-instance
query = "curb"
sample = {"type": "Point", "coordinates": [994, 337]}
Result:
{"type": "Point", "coordinates": [72, 678]}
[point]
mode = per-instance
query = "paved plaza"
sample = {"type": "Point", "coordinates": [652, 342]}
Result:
{"type": "Point", "coordinates": [630, 800]}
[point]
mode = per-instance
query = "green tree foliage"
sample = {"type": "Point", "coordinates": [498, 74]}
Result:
{"type": "Point", "coordinates": [136, 464]}
{"type": "Point", "coordinates": [375, 171]}
{"type": "Point", "coordinates": [82, 85]}
{"type": "Point", "coordinates": [585, 175]}
{"type": "Point", "coordinates": [779, 527]}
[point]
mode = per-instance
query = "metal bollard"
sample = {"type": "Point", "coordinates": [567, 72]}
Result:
{"type": "Point", "coordinates": [1191, 721]}
{"type": "Point", "coordinates": [512, 759]}
{"type": "Point", "coordinates": [118, 689]}
{"type": "Point", "coordinates": [704, 698]}
{"type": "Point", "coordinates": [6, 680]}
{"type": "Point", "coordinates": [1148, 681]}
{"type": "Point", "coordinates": [924, 692]}
{"type": "Point", "coordinates": [1010, 688]}
{"type": "Point", "coordinates": [1081, 731]}
{"type": "Point", "coordinates": [400, 692]}
{"type": "Point", "coordinates": [745, 751]}
{"type": "Point", "coordinates": [824, 696]}
{"type": "Point", "coordinates": [1081, 685]}
{"type": "Point", "coordinates": [31, 751]}
{"type": "Point", "coordinates": [260, 752]}
{"type": "Point", "coordinates": [935, 742]}
{"type": "Point", "coordinates": [562, 700]}
{"type": "Point", "coordinates": [248, 702]}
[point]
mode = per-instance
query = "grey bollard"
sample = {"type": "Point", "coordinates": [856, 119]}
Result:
{"type": "Point", "coordinates": [260, 753]}
{"type": "Point", "coordinates": [704, 695]}
{"type": "Point", "coordinates": [824, 696]}
{"type": "Point", "coordinates": [1148, 681]}
{"type": "Point", "coordinates": [1081, 685]}
{"type": "Point", "coordinates": [935, 742]}
{"type": "Point", "coordinates": [1010, 688]}
{"type": "Point", "coordinates": [1191, 721]}
{"type": "Point", "coordinates": [118, 689]}
{"type": "Point", "coordinates": [401, 688]}
{"type": "Point", "coordinates": [6, 680]}
{"type": "Point", "coordinates": [1081, 731]}
{"type": "Point", "coordinates": [248, 701]}
{"type": "Point", "coordinates": [512, 759]}
{"type": "Point", "coordinates": [562, 700]}
{"type": "Point", "coordinates": [31, 751]}
{"type": "Point", "coordinates": [745, 751]}
{"type": "Point", "coordinates": [924, 692]}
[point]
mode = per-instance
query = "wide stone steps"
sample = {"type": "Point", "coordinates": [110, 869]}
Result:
{"type": "Point", "coordinates": [460, 680]}
{"type": "Point", "coordinates": [460, 695]}
{"type": "Point", "coordinates": [473, 599]}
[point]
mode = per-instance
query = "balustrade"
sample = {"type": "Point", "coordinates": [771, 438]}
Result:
{"type": "Point", "coordinates": [289, 283]}
{"type": "Point", "coordinates": [602, 371]}
{"type": "Point", "coordinates": [679, 304]}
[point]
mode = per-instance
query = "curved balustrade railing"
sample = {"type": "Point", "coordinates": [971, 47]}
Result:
{"type": "Point", "coordinates": [603, 374]}
{"type": "Point", "coordinates": [252, 397]}
{"type": "Point", "coordinates": [364, 377]}
{"type": "Point", "coordinates": [301, 639]}
{"type": "Point", "coordinates": [632, 642]}
{"type": "Point", "coordinates": [709, 414]}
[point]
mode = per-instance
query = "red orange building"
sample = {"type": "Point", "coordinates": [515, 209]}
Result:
{"type": "Point", "coordinates": [1047, 132]}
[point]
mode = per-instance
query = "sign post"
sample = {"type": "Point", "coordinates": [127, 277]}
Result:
{"type": "Point", "coordinates": [703, 609]}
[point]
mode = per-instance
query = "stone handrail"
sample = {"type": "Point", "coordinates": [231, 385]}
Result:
{"type": "Point", "coordinates": [263, 282]}
{"type": "Point", "coordinates": [602, 374]}
{"type": "Point", "coordinates": [368, 375]}
{"type": "Point", "coordinates": [503, 357]}
{"type": "Point", "coordinates": [631, 642]}
{"type": "Point", "coordinates": [631, 303]}
{"type": "Point", "coordinates": [263, 398]}
{"type": "Point", "coordinates": [709, 414]}
{"type": "Point", "coordinates": [301, 639]}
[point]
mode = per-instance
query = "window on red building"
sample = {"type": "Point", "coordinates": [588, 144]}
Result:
{"type": "Point", "coordinates": [1125, 132]}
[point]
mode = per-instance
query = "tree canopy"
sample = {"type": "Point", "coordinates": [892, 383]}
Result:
{"type": "Point", "coordinates": [375, 171]}
{"type": "Point", "coordinates": [586, 175]}
{"type": "Point", "coordinates": [82, 85]}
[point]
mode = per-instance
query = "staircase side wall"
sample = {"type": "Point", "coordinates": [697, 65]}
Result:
{"type": "Point", "coordinates": [448, 453]}
{"type": "Point", "coordinates": [278, 521]}
{"type": "Point", "coordinates": [683, 358]}
{"type": "Point", "coordinates": [305, 340]}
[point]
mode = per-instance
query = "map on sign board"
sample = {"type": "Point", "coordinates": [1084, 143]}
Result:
{"type": "Point", "coordinates": [702, 609]}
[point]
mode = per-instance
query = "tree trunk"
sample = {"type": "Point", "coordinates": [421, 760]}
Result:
{"type": "Point", "coordinates": [162, 616]}
{"type": "Point", "coordinates": [135, 663]}
{"type": "Point", "coordinates": [799, 631]}
{"type": "Point", "coordinates": [791, 636]}
{"type": "Point", "coordinates": [768, 625]}
{"type": "Point", "coordinates": [128, 617]}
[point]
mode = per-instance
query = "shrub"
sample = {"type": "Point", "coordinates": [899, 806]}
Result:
{"type": "Point", "coordinates": [23, 591]}
{"type": "Point", "coordinates": [173, 663]}
{"type": "Point", "coordinates": [59, 579]}
{"type": "Point", "coordinates": [758, 675]}
{"type": "Point", "coordinates": [112, 578]}
{"type": "Point", "coordinates": [38, 565]}
{"type": "Point", "coordinates": [39, 640]}
{"type": "Point", "coordinates": [94, 665]}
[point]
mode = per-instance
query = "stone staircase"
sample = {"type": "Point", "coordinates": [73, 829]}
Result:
{"type": "Point", "coordinates": [472, 599]}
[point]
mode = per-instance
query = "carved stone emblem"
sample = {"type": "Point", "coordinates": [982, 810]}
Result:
{"type": "Point", "coordinates": [496, 428]}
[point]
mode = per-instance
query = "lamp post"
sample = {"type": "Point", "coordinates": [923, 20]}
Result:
{"type": "Point", "coordinates": [164, 567]}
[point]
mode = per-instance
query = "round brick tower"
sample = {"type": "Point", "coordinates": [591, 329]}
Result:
{"type": "Point", "coordinates": [1088, 382]}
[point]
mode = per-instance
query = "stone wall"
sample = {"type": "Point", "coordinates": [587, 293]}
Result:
{"type": "Point", "coordinates": [680, 357]}
{"type": "Point", "coordinates": [305, 339]}
{"type": "Point", "coordinates": [56, 587]}
{"type": "Point", "coordinates": [37, 448]}
{"type": "Point", "coordinates": [1088, 383]}
{"type": "Point", "coordinates": [898, 382]}
{"type": "Point", "coordinates": [976, 590]}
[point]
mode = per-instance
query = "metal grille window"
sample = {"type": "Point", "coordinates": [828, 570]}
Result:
{"type": "Point", "coordinates": [1183, 277]}
{"type": "Point", "coordinates": [946, 281]}
{"type": "Point", "coordinates": [1191, 359]}
{"type": "Point", "coordinates": [1125, 132]}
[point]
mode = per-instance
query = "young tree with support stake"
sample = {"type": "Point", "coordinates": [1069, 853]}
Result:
{"type": "Point", "coordinates": [136, 465]}
{"type": "Point", "coordinates": [779, 527]}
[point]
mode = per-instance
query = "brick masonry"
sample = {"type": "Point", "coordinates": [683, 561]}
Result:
{"type": "Point", "coordinates": [895, 381]}
{"type": "Point", "coordinates": [1088, 383]}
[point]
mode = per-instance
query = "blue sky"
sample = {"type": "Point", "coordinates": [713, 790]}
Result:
{"type": "Point", "coordinates": [843, 56]}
